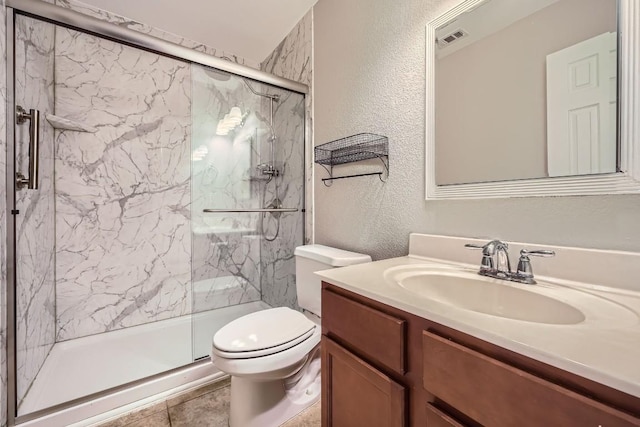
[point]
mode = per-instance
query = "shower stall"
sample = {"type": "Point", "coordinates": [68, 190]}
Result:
{"type": "Point", "coordinates": [155, 194]}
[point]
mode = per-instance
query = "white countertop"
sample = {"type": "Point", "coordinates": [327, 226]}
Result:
{"type": "Point", "coordinates": [605, 350]}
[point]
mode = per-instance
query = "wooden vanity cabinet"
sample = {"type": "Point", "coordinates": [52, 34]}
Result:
{"type": "Point", "coordinates": [384, 367]}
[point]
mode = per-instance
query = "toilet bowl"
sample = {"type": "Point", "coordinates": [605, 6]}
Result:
{"type": "Point", "coordinates": [273, 356]}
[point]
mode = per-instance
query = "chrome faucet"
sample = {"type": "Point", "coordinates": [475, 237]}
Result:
{"type": "Point", "coordinates": [501, 256]}
{"type": "Point", "coordinates": [495, 262]}
{"type": "Point", "coordinates": [495, 258]}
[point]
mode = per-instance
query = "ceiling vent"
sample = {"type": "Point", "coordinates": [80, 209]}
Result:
{"type": "Point", "coordinates": [452, 37]}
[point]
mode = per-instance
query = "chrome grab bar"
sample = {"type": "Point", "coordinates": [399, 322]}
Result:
{"type": "Point", "coordinates": [34, 147]}
{"type": "Point", "coordinates": [265, 210]}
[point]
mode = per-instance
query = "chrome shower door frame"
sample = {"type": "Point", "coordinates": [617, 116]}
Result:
{"type": "Point", "coordinates": [10, 182]}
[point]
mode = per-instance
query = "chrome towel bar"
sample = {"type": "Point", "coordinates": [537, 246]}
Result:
{"type": "Point", "coordinates": [265, 210]}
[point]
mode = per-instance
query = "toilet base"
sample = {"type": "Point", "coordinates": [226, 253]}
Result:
{"type": "Point", "coordinates": [271, 403]}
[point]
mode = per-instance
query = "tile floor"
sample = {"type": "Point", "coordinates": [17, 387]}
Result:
{"type": "Point", "coordinates": [206, 406]}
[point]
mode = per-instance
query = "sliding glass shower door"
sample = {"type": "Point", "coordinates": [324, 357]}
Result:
{"type": "Point", "coordinates": [247, 198]}
{"type": "Point", "coordinates": [225, 246]}
{"type": "Point", "coordinates": [103, 245]}
{"type": "Point", "coordinates": [156, 200]}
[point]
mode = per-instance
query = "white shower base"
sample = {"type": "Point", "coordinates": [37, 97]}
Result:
{"type": "Point", "coordinates": [88, 365]}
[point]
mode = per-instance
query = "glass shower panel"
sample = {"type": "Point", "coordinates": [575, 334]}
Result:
{"type": "Point", "coordinates": [35, 225]}
{"type": "Point", "coordinates": [227, 137]}
{"type": "Point", "coordinates": [247, 154]}
{"type": "Point", "coordinates": [103, 245]}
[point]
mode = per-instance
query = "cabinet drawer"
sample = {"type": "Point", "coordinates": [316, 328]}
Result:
{"type": "Point", "coordinates": [379, 336]}
{"type": "Point", "coordinates": [437, 418]}
{"type": "Point", "coordinates": [496, 394]}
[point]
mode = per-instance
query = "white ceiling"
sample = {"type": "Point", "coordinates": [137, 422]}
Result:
{"type": "Point", "coordinates": [250, 29]}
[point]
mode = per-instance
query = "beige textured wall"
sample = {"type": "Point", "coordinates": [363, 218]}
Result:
{"type": "Point", "coordinates": [369, 65]}
{"type": "Point", "coordinates": [484, 111]}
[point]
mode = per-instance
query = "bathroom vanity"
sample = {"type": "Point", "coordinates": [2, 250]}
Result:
{"type": "Point", "coordinates": [393, 357]}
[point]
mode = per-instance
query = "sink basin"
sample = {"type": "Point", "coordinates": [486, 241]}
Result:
{"type": "Point", "coordinates": [471, 292]}
{"type": "Point", "coordinates": [545, 303]}
{"type": "Point", "coordinates": [454, 287]}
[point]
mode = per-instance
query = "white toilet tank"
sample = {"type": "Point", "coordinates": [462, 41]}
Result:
{"type": "Point", "coordinates": [312, 258]}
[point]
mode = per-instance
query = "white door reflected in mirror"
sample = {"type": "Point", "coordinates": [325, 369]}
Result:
{"type": "Point", "coordinates": [581, 107]}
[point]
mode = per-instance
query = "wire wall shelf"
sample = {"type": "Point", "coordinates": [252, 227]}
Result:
{"type": "Point", "coordinates": [354, 148]}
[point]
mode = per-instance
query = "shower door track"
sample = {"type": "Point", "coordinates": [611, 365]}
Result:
{"type": "Point", "coordinates": [86, 24]}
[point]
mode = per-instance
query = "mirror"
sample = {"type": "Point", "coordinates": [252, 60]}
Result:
{"type": "Point", "coordinates": [522, 99]}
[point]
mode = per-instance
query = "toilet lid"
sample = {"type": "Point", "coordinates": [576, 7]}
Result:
{"type": "Point", "coordinates": [262, 330]}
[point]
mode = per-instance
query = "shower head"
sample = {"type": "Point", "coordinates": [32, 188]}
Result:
{"type": "Point", "coordinates": [218, 75]}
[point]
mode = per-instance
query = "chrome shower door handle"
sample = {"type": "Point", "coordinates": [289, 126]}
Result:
{"type": "Point", "coordinates": [34, 147]}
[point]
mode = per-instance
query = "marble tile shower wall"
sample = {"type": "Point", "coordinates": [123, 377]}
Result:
{"type": "Point", "coordinates": [35, 238]}
{"type": "Point", "coordinates": [278, 261]}
{"type": "Point", "coordinates": [292, 60]}
{"type": "Point", "coordinates": [122, 193]}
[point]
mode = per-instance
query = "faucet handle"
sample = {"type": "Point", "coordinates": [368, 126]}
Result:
{"type": "Point", "coordinates": [525, 272]}
{"type": "Point", "coordinates": [474, 246]}
{"type": "Point", "coordinates": [487, 254]}
{"type": "Point", "coordinates": [540, 253]}
{"type": "Point", "coordinates": [487, 249]}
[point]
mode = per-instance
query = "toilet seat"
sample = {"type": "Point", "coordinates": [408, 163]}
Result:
{"type": "Point", "coordinates": [265, 351]}
{"type": "Point", "coordinates": [262, 333]}
{"type": "Point", "coordinates": [273, 366]}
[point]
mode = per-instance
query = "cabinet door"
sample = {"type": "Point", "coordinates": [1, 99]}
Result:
{"type": "Point", "coordinates": [357, 394]}
{"type": "Point", "coordinates": [437, 418]}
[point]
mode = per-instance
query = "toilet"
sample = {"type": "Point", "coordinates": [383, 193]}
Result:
{"type": "Point", "coordinates": [273, 356]}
